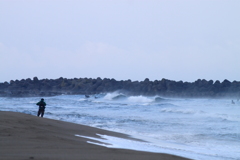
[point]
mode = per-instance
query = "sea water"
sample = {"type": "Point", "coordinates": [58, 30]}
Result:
{"type": "Point", "coordinates": [201, 129]}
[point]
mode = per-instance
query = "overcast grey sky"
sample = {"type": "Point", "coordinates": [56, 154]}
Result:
{"type": "Point", "coordinates": [121, 39]}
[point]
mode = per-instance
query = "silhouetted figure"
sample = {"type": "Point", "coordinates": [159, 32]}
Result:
{"type": "Point", "coordinates": [42, 107]}
{"type": "Point", "coordinates": [233, 102]}
{"type": "Point", "coordinates": [87, 96]}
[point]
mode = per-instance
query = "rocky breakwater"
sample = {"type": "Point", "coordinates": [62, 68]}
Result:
{"type": "Point", "coordinates": [163, 87]}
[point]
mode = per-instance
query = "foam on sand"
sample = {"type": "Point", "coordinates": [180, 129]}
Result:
{"type": "Point", "coordinates": [122, 143]}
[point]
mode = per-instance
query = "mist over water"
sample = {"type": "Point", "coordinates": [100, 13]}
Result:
{"type": "Point", "coordinates": [203, 129]}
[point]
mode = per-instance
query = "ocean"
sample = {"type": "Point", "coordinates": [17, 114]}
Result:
{"type": "Point", "coordinates": [200, 129]}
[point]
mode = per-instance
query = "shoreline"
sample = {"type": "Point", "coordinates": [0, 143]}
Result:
{"type": "Point", "coordinates": [26, 136]}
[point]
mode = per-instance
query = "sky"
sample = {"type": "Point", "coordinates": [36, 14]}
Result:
{"type": "Point", "coordinates": [121, 39]}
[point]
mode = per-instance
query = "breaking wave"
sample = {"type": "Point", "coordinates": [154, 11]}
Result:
{"type": "Point", "coordinates": [116, 96]}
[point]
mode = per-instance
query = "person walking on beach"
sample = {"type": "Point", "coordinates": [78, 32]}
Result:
{"type": "Point", "coordinates": [42, 107]}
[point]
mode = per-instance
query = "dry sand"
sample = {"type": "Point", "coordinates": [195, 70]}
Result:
{"type": "Point", "coordinates": [25, 137]}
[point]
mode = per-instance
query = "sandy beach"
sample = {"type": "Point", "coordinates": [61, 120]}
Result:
{"type": "Point", "coordinates": [25, 137]}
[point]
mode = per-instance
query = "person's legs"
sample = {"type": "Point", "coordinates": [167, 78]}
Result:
{"type": "Point", "coordinates": [39, 111]}
{"type": "Point", "coordinates": [42, 113]}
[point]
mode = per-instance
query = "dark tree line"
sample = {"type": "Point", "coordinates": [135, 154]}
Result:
{"type": "Point", "coordinates": [164, 87]}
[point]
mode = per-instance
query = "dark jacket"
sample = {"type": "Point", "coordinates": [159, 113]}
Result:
{"type": "Point", "coordinates": [41, 104]}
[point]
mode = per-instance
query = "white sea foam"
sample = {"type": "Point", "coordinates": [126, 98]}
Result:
{"type": "Point", "coordinates": [116, 142]}
{"type": "Point", "coordinates": [174, 110]}
{"type": "Point", "coordinates": [110, 96]}
{"type": "Point", "coordinates": [140, 99]}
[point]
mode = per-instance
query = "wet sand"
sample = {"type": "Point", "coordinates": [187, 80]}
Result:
{"type": "Point", "coordinates": [24, 136]}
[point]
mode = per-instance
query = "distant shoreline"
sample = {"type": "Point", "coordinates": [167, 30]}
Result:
{"type": "Point", "coordinates": [88, 86]}
{"type": "Point", "coordinates": [25, 136]}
